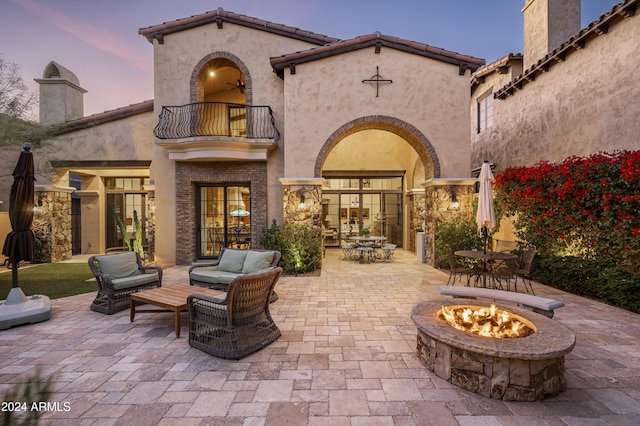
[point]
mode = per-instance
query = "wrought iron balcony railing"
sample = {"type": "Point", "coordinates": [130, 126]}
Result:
{"type": "Point", "coordinates": [216, 119]}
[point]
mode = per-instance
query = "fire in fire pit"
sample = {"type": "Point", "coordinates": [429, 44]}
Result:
{"type": "Point", "coordinates": [486, 321]}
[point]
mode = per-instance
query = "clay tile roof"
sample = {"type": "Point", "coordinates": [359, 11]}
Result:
{"type": "Point", "coordinates": [377, 40]}
{"type": "Point", "coordinates": [620, 11]}
{"type": "Point", "coordinates": [505, 61]}
{"type": "Point", "coordinates": [220, 16]}
{"type": "Point", "coordinates": [104, 117]}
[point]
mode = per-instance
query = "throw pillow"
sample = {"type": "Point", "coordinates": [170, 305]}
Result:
{"type": "Point", "coordinates": [232, 260]}
{"type": "Point", "coordinates": [257, 260]}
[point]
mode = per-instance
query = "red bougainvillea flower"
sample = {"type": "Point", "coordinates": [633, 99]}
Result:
{"type": "Point", "coordinates": [590, 202]}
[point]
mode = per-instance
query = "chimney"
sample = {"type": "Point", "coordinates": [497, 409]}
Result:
{"type": "Point", "coordinates": [548, 24]}
{"type": "Point", "coordinates": [61, 97]}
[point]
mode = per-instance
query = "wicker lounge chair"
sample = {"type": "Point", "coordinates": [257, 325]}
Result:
{"type": "Point", "coordinates": [119, 275]}
{"type": "Point", "coordinates": [238, 322]}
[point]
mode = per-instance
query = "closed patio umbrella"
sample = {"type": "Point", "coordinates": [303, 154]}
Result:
{"type": "Point", "coordinates": [20, 242]}
{"type": "Point", "coordinates": [19, 245]}
{"type": "Point", "coordinates": [485, 217]}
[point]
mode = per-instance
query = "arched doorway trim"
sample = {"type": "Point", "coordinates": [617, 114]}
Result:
{"type": "Point", "coordinates": [226, 55]}
{"type": "Point", "coordinates": [406, 131]}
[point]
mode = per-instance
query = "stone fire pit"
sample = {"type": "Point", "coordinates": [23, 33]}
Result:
{"type": "Point", "coordinates": [518, 369]}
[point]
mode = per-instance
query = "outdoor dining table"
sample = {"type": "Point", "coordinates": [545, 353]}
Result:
{"type": "Point", "coordinates": [491, 260]}
{"type": "Point", "coordinates": [372, 241]}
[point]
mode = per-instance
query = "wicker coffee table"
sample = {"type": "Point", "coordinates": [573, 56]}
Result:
{"type": "Point", "coordinates": [173, 298]}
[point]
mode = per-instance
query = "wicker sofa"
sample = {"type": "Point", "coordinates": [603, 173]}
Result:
{"type": "Point", "coordinates": [232, 263]}
{"type": "Point", "coordinates": [119, 275]}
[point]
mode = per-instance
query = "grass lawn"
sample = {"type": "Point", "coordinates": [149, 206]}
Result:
{"type": "Point", "coordinates": [51, 279]}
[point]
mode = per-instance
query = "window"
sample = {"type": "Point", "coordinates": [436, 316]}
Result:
{"type": "Point", "coordinates": [485, 111]}
{"type": "Point", "coordinates": [126, 197]}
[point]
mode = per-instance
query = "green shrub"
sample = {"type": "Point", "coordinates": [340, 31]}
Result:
{"type": "Point", "coordinates": [457, 234]}
{"type": "Point", "coordinates": [302, 248]}
{"type": "Point", "coordinates": [595, 278]}
{"type": "Point", "coordinates": [299, 244]}
{"type": "Point", "coordinates": [270, 238]}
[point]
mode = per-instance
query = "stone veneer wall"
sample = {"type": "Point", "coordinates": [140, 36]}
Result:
{"type": "Point", "coordinates": [190, 175]}
{"type": "Point", "coordinates": [52, 225]}
{"type": "Point", "coordinates": [311, 214]}
{"type": "Point", "coordinates": [439, 210]}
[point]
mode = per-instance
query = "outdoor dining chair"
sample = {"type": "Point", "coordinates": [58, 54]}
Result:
{"type": "Point", "coordinates": [524, 270]}
{"type": "Point", "coordinates": [458, 271]}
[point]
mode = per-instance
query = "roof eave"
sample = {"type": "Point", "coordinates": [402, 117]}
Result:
{"type": "Point", "coordinates": [596, 28]}
{"type": "Point", "coordinates": [463, 62]}
{"type": "Point", "coordinates": [220, 16]}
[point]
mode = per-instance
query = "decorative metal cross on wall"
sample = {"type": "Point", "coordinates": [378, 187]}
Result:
{"type": "Point", "coordinates": [377, 79]}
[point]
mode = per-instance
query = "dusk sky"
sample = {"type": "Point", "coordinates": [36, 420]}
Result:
{"type": "Point", "coordinates": [99, 41]}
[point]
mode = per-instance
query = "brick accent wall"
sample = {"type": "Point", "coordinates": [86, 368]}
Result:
{"type": "Point", "coordinates": [189, 176]}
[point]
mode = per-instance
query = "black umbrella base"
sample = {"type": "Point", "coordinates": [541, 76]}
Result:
{"type": "Point", "coordinates": [19, 309]}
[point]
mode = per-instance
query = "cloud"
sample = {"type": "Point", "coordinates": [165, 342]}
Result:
{"type": "Point", "coordinates": [89, 34]}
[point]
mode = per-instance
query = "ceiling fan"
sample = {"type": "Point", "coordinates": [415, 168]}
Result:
{"type": "Point", "coordinates": [238, 85]}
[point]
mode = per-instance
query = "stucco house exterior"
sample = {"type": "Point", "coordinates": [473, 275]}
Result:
{"type": "Point", "coordinates": [573, 92]}
{"type": "Point", "coordinates": [253, 121]}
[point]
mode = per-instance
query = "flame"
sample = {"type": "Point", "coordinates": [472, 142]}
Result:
{"type": "Point", "coordinates": [485, 321]}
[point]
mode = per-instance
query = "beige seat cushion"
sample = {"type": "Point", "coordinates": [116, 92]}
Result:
{"type": "Point", "coordinates": [134, 281]}
{"type": "Point", "coordinates": [214, 277]}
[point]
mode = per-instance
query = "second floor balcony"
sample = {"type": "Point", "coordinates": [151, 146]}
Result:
{"type": "Point", "coordinates": [216, 130]}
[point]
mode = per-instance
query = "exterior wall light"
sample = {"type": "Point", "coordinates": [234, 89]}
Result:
{"type": "Point", "coordinates": [455, 205]}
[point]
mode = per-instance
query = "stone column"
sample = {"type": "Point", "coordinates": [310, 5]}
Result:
{"type": "Point", "coordinates": [52, 223]}
{"type": "Point", "coordinates": [445, 199]}
{"type": "Point", "coordinates": [302, 201]}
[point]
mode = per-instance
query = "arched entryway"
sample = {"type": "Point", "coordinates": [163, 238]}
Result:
{"type": "Point", "coordinates": [373, 167]}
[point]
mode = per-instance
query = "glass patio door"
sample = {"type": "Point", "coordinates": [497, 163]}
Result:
{"type": "Point", "coordinates": [350, 205]}
{"type": "Point", "coordinates": [224, 218]}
